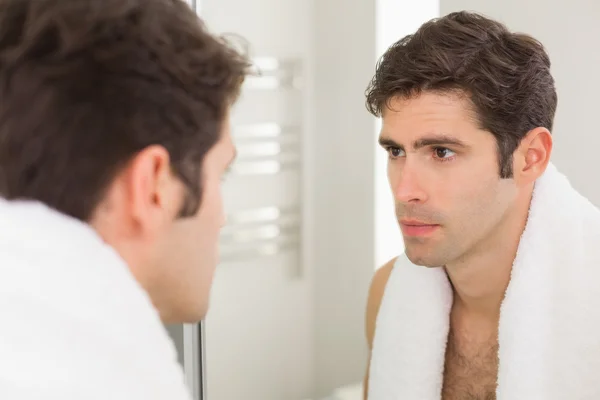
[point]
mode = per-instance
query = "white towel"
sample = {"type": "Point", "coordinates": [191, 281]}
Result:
{"type": "Point", "coordinates": [549, 332]}
{"type": "Point", "coordinates": [74, 323]}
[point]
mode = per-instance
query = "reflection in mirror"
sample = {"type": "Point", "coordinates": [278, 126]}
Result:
{"type": "Point", "coordinates": [310, 193]}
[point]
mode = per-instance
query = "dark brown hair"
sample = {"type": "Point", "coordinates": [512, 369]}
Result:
{"type": "Point", "coordinates": [87, 84]}
{"type": "Point", "coordinates": [506, 75]}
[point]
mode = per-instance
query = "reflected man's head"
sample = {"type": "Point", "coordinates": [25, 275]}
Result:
{"type": "Point", "coordinates": [467, 109]}
{"type": "Point", "coordinates": [116, 113]}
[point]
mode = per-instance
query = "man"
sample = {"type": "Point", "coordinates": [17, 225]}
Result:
{"type": "Point", "coordinates": [489, 299]}
{"type": "Point", "coordinates": [114, 137]}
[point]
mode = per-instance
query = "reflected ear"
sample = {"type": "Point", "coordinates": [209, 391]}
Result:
{"type": "Point", "coordinates": [154, 192]}
{"type": "Point", "coordinates": [533, 155]}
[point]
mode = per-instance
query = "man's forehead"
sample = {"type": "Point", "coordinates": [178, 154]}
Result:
{"type": "Point", "coordinates": [428, 124]}
{"type": "Point", "coordinates": [429, 103]}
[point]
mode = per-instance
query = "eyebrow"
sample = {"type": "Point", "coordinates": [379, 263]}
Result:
{"type": "Point", "coordinates": [430, 140]}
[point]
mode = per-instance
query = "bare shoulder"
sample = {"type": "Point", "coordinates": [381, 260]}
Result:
{"type": "Point", "coordinates": [378, 283]}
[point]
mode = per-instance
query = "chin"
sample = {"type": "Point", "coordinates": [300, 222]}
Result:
{"type": "Point", "coordinates": [186, 314]}
{"type": "Point", "coordinates": [195, 315]}
{"type": "Point", "coordinates": [423, 260]}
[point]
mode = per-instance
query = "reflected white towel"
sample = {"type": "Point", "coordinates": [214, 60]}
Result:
{"type": "Point", "coordinates": [74, 323]}
{"type": "Point", "coordinates": [549, 336]}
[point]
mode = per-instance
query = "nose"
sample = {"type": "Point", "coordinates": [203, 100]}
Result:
{"type": "Point", "coordinates": [406, 185]}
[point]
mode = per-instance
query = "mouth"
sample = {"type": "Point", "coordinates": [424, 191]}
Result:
{"type": "Point", "coordinates": [417, 228]}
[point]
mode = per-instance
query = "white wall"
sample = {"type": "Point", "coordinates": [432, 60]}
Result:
{"type": "Point", "coordinates": [259, 339]}
{"type": "Point", "coordinates": [570, 32]}
{"type": "Point", "coordinates": [290, 340]}
{"type": "Point", "coordinates": [342, 174]}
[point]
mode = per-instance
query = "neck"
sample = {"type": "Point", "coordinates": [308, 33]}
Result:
{"type": "Point", "coordinates": [480, 278]}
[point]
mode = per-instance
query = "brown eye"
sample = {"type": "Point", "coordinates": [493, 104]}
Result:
{"type": "Point", "coordinates": [395, 152]}
{"type": "Point", "coordinates": [442, 152]}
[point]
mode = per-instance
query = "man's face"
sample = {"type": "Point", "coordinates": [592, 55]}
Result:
{"type": "Point", "coordinates": [444, 174]}
{"type": "Point", "coordinates": [172, 258]}
{"type": "Point", "coordinates": [189, 247]}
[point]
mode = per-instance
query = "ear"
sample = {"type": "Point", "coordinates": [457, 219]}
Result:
{"type": "Point", "coordinates": [154, 193]}
{"type": "Point", "coordinates": [532, 155]}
